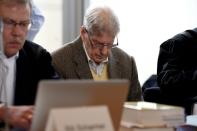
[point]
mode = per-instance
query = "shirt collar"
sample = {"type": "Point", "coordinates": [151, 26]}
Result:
{"type": "Point", "coordinates": [13, 57]}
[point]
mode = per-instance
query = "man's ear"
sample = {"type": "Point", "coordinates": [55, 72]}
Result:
{"type": "Point", "coordinates": [83, 32]}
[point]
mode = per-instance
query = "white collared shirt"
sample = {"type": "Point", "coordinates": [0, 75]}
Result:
{"type": "Point", "coordinates": [97, 68]}
{"type": "Point", "coordinates": [8, 92]}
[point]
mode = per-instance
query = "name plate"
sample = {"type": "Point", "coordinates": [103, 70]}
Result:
{"type": "Point", "coordinates": [90, 118]}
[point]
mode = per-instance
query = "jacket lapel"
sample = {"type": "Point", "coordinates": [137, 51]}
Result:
{"type": "Point", "coordinates": [81, 62]}
{"type": "Point", "coordinates": [114, 69]}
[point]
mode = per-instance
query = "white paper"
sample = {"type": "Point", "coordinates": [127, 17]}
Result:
{"type": "Point", "coordinates": [92, 118]}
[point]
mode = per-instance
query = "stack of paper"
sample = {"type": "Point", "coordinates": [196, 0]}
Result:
{"type": "Point", "coordinates": [151, 115]}
{"type": "Point", "coordinates": [123, 128]}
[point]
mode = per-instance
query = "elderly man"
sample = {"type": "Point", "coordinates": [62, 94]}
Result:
{"type": "Point", "coordinates": [95, 55]}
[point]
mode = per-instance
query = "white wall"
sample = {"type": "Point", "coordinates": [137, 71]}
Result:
{"type": "Point", "coordinates": [50, 35]}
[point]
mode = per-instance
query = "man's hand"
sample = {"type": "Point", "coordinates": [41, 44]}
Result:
{"type": "Point", "coordinates": [19, 116]}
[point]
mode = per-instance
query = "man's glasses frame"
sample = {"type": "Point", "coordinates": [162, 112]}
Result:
{"type": "Point", "coordinates": [9, 23]}
{"type": "Point", "coordinates": [101, 46]}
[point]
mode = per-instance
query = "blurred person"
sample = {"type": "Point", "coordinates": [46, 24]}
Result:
{"type": "Point", "coordinates": [27, 63]}
{"type": "Point", "coordinates": [37, 21]}
{"type": "Point", "coordinates": [177, 70]}
{"type": "Point", "coordinates": [95, 55]}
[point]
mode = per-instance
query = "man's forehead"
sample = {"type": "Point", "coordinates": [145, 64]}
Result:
{"type": "Point", "coordinates": [22, 9]}
{"type": "Point", "coordinates": [12, 4]}
{"type": "Point", "coordinates": [104, 40]}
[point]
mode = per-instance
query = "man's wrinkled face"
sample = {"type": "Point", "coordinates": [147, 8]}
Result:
{"type": "Point", "coordinates": [98, 47]}
{"type": "Point", "coordinates": [16, 21]}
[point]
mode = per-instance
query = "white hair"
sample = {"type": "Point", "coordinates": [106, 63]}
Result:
{"type": "Point", "coordinates": [101, 19]}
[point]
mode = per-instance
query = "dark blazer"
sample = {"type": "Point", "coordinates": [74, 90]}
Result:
{"type": "Point", "coordinates": [177, 67]}
{"type": "Point", "coordinates": [32, 65]}
{"type": "Point", "coordinates": [71, 62]}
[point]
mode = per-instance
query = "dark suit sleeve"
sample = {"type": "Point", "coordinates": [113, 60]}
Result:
{"type": "Point", "coordinates": [177, 74]}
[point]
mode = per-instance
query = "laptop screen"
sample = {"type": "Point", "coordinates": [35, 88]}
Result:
{"type": "Point", "coordinates": [76, 93]}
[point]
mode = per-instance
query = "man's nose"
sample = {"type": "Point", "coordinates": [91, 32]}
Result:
{"type": "Point", "coordinates": [104, 50]}
{"type": "Point", "coordinates": [16, 30]}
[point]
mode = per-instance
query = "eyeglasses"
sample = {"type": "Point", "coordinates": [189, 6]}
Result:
{"type": "Point", "coordinates": [101, 45]}
{"type": "Point", "coordinates": [10, 24]}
